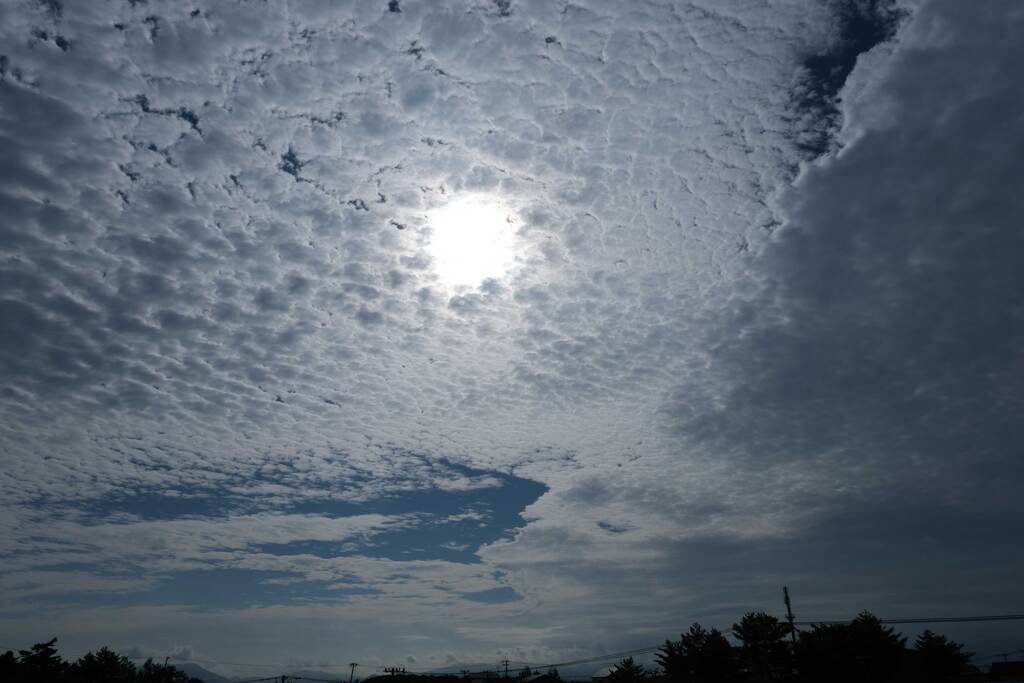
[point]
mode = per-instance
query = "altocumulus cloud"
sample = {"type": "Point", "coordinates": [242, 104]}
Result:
{"type": "Point", "coordinates": [763, 327]}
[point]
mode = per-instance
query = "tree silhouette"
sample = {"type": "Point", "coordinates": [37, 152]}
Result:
{"type": "Point", "coordinates": [151, 672]}
{"type": "Point", "coordinates": [525, 672]}
{"type": "Point", "coordinates": [671, 660]}
{"type": "Point", "coordinates": [104, 666]}
{"type": "Point", "coordinates": [627, 671]}
{"type": "Point", "coordinates": [941, 659]}
{"type": "Point", "coordinates": [553, 672]}
{"type": "Point", "coordinates": [41, 664]}
{"type": "Point", "coordinates": [8, 666]}
{"type": "Point", "coordinates": [699, 656]}
{"type": "Point", "coordinates": [863, 651]}
{"type": "Point", "coordinates": [709, 655]}
{"type": "Point", "coordinates": [764, 653]}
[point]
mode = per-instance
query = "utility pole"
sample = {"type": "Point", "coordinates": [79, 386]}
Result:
{"type": "Point", "coordinates": [505, 662]}
{"type": "Point", "coordinates": [789, 613]}
{"type": "Point", "coordinates": [352, 674]}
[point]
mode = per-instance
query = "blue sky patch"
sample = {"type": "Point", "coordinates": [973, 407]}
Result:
{"type": "Point", "coordinates": [454, 523]}
{"type": "Point", "coordinates": [448, 523]}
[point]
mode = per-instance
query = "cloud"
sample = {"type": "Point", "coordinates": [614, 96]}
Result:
{"type": "Point", "coordinates": [221, 317]}
{"type": "Point", "coordinates": [853, 417]}
{"type": "Point", "coordinates": [181, 652]}
{"type": "Point", "coordinates": [884, 335]}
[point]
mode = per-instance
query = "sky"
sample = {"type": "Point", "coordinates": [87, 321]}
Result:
{"type": "Point", "coordinates": [414, 333]}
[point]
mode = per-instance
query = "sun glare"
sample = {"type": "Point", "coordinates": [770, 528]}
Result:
{"type": "Point", "coordinates": [471, 240]}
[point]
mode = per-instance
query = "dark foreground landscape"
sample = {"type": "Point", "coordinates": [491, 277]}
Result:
{"type": "Point", "coordinates": [762, 648]}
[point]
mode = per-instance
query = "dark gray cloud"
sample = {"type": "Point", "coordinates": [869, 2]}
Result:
{"type": "Point", "coordinates": [881, 354]}
{"type": "Point", "coordinates": [887, 329]}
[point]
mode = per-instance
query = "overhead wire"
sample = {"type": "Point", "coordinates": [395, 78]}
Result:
{"type": "Point", "coordinates": [590, 660]}
{"type": "Point", "coordinates": [922, 620]}
{"type": "Point", "coordinates": [913, 620]}
{"type": "Point", "coordinates": [1000, 654]}
{"type": "Point", "coordinates": [607, 656]}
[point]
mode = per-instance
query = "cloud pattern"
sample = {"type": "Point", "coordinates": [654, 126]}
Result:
{"type": "Point", "coordinates": [763, 321]}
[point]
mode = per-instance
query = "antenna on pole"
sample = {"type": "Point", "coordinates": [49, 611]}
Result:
{"type": "Point", "coordinates": [505, 662]}
{"type": "Point", "coordinates": [789, 613]}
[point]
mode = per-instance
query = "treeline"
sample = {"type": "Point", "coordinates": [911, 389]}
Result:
{"type": "Point", "coordinates": [42, 664]}
{"type": "Point", "coordinates": [862, 651]}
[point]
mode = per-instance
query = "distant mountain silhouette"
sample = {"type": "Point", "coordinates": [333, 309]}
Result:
{"type": "Point", "coordinates": [326, 675]}
{"type": "Point", "coordinates": [193, 670]}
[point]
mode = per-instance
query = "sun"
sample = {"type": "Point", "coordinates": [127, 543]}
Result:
{"type": "Point", "coordinates": [471, 239]}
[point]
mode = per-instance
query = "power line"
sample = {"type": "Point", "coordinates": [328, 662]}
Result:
{"type": "Point", "coordinates": [590, 660]}
{"type": "Point", "coordinates": [923, 620]}
{"type": "Point", "coordinates": [914, 620]}
{"type": "Point", "coordinates": [611, 655]}
{"type": "Point", "coordinates": [1004, 655]}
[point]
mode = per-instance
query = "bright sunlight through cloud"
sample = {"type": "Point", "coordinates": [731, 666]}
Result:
{"type": "Point", "coordinates": [472, 239]}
